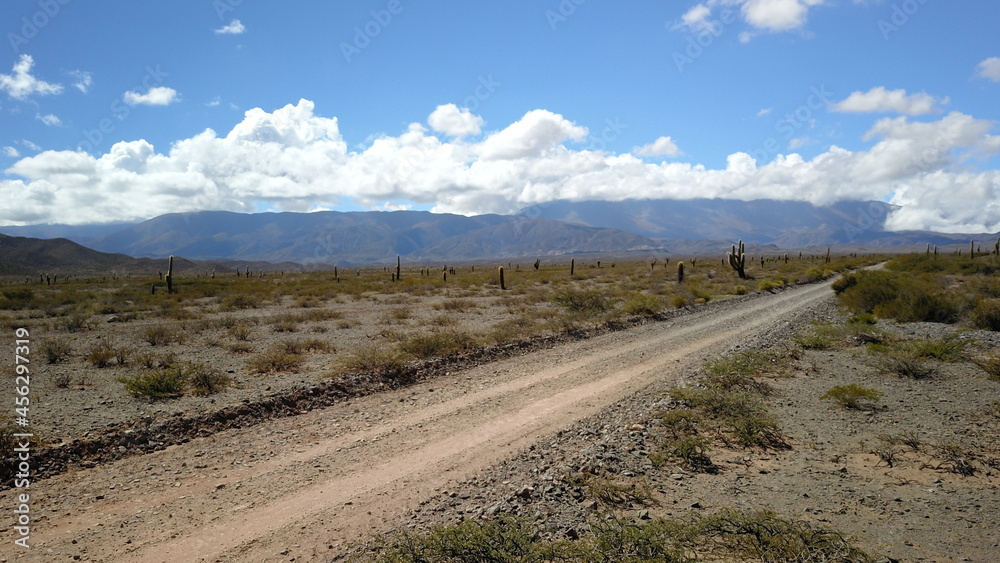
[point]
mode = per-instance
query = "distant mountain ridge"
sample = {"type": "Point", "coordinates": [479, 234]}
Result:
{"type": "Point", "coordinates": [695, 227]}
{"type": "Point", "coordinates": [332, 237]}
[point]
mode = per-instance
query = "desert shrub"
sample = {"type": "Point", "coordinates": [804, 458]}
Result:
{"type": "Point", "coordinates": [853, 396]}
{"type": "Point", "coordinates": [612, 493]}
{"type": "Point", "coordinates": [240, 301]}
{"type": "Point", "coordinates": [77, 320]}
{"type": "Point", "coordinates": [154, 385]}
{"type": "Point", "coordinates": [643, 305]}
{"type": "Point", "coordinates": [765, 536]}
{"type": "Point", "coordinates": [304, 345]}
{"type": "Point", "coordinates": [16, 299]}
{"type": "Point", "coordinates": [679, 302]}
{"type": "Point", "coordinates": [285, 323]}
{"type": "Point", "coordinates": [55, 351]}
{"type": "Point", "coordinates": [862, 319]}
{"type": "Point", "coordinates": [679, 422]}
{"type": "Point", "coordinates": [769, 285]}
{"type": "Point", "coordinates": [901, 361]}
{"type": "Point", "coordinates": [692, 453]}
{"type": "Point", "coordinates": [158, 335]}
{"type": "Point", "coordinates": [384, 361]}
{"type": "Point", "coordinates": [844, 283]}
{"type": "Point", "coordinates": [456, 305]}
{"type": "Point", "coordinates": [205, 380]}
{"type": "Point", "coordinates": [756, 429]}
{"type": "Point", "coordinates": [240, 331]}
{"type": "Point", "coordinates": [437, 344]}
{"type": "Point", "coordinates": [586, 301]}
{"type": "Point", "coordinates": [275, 360]}
{"type": "Point", "coordinates": [740, 290]}
{"type": "Point", "coordinates": [946, 349]}
{"type": "Point", "coordinates": [899, 296]}
{"type": "Point", "coordinates": [100, 355]}
{"type": "Point", "coordinates": [991, 366]}
{"type": "Point", "coordinates": [986, 314]}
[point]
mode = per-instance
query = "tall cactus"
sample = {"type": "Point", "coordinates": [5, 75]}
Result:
{"type": "Point", "coordinates": [738, 260]}
{"type": "Point", "coordinates": [996, 247]}
{"type": "Point", "coordinates": [397, 267]}
{"type": "Point", "coordinates": [538, 262]}
{"type": "Point", "coordinates": [680, 272]}
{"type": "Point", "coordinates": [503, 285]}
{"type": "Point", "coordinates": [572, 266]}
{"type": "Point", "coordinates": [972, 249]}
{"type": "Point", "coordinates": [170, 275]}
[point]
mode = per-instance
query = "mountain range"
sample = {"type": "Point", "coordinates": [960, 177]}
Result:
{"type": "Point", "coordinates": [551, 229]}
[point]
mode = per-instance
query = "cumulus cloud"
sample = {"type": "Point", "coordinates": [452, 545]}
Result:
{"type": "Point", "coordinates": [295, 160]}
{"type": "Point", "coordinates": [11, 152]}
{"type": "Point", "coordinates": [664, 146]}
{"type": "Point", "coordinates": [451, 120]}
{"type": "Point", "coordinates": [21, 85]}
{"type": "Point", "coordinates": [234, 28]}
{"type": "Point", "coordinates": [156, 96]}
{"type": "Point", "coordinates": [989, 69]}
{"type": "Point", "coordinates": [778, 15]}
{"type": "Point", "coordinates": [881, 100]}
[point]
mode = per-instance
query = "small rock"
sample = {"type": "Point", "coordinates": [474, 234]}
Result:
{"type": "Point", "coordinates": [220, 486]}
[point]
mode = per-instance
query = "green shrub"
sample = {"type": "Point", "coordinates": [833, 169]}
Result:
{"type": "Point", "coordinates": [587, 301]}
{"type": "Point", "coordinates": [692, 452]}
{"type": "Point", "coordinates": [862, 319]}
{"type": "Point", "coordinates": [740, 290]}
{"type": "Point", "coordinates": [17, 299]}
{"type": "Point", "coordinates": [853, 396]}
{"type": "Point", "coordinates": [240, 301]}
{"type": "Point", "coordinates": [438, 344]}
{"type": "Point", "coordinates": [612, 493]}
{"type": "Point", "coordinates": [946, 349]}
{"type": "Point", "coordinates": [902, 361]}
{"type": "Point", "coordinates": [986, 314]}
{"type": "Point", "coordinates": [643, 305]}
{"type": "Point", "coordinates": [899, 296]}
{"type": "Point", "coordinates": [680, 302]}
{"type": "Point", "coordinates": [769, 285]}
{"type": "Point", "coordinates": [157, 384]}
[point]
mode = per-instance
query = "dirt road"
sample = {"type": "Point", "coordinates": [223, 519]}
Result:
{"type": "Point", "coordinates": [300, 487]}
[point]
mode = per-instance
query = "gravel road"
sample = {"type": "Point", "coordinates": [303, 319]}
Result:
{"type": "Point", "coordinates": [298, 487]}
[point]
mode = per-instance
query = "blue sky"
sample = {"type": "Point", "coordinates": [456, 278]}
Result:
{"type": "Point", "coordinates": [126, 110]}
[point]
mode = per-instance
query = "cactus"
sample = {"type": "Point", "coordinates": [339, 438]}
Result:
{"type": "Point", "coordinates": [680, 272]}
{"type": "Point", "coordinates": [928, 250]}
{"type": "Point", "coordinates": [170, 275]}
{"type": "Point", "coordinates": [538, 262]}
{"type": "Point", "coordinates": [996, 247]}
{"type": "Point", "coordinates": [935, 252]}
{"type": "Point", "coordinates": [444, 275]}
{"type": "Point", "coordinates": [397, 268]}
{"type": "Point", "coordinates": [737, 260]}
{"type": "Point", "coordinates": [572, 265]}
{"type": "Point", "coordinates": [972, 249]}
{"type": "Point", "coordinates": [827, 255]}
{"type": "Point", "coordinates": [502, 284]}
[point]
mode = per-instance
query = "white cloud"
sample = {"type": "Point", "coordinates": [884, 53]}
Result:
{"type": "Point", "coordinates": [989, 69]}
{"type": "Point", "coordinates": [11, 152]}
{"type": "Point", "coordinates": [30, 145]}
{"type": "Point", "coordinates": [538, 132]}
{"type": "Point", "coordinates": [698, 19]}
{"type": "Point", "coordinates": [881, 100]}
{"type": "Point", "coordinates": [234, 28]}
{"type": "Point", "coordinates": [664, 146]}
{"type": "Point", "coordinates": [764, 112]}
{"type": "Point", "coordinates": [214, 102]}
{"type": "Point", "coordinates": [156, 96]}
{"type": "Point", "coordinates": [455, 122]}
{"type": "Point", "coordinates": [20, 85]}
{"type": "Point", "coordinates": [49, 119]}
{"type": "Point", "coordinates": [798, 142]}
{"type": "Point", "coordinates": [778, 15]}
{"type": "Point", "coordinates": [82, 81]}
{"type": "Point", "coordinates": [292, 159]}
